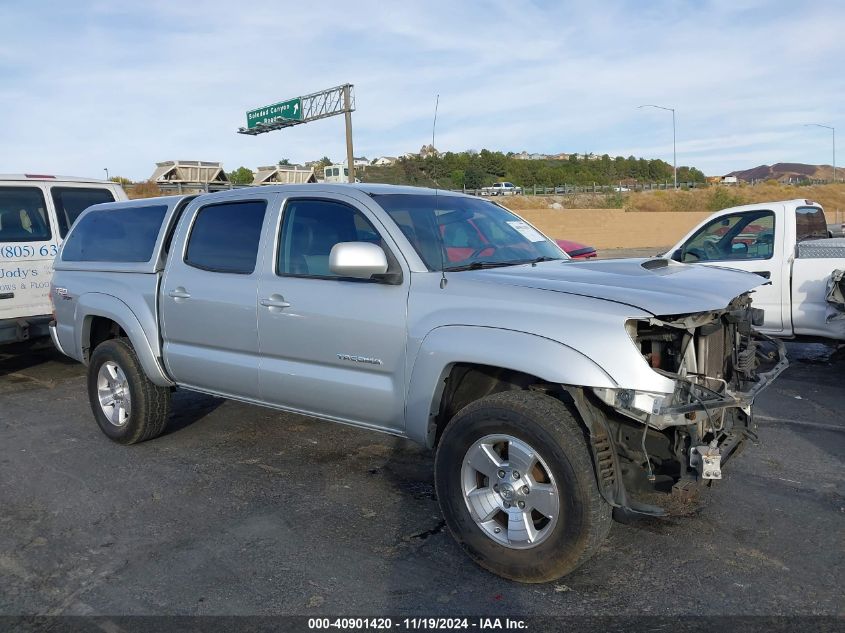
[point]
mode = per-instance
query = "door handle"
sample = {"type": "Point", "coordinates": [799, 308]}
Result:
{"type": "Point", "coordinates": [179, 293]}
{"type": "Point", "coordinates": [274, 301]}
{"type": "Point", "coordinates": [765, 274]}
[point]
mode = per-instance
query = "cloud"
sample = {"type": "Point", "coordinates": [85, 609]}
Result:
{"type": "Point", "coordinates": [89, 85]}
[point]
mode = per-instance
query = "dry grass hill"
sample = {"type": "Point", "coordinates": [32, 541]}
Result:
{"type": "Point", "coordinates": [785, 172]}
{"type": "Point", "coordinates": [831, 197]}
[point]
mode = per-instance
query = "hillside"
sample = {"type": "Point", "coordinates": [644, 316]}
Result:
{"type": "Point", "coordinates": [472, 170]}
{"type": "Point", "coordinates": [785, 171]}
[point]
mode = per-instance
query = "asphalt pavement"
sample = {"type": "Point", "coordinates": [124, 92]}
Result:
{"type": "Point", "coordinates": [243, 510]}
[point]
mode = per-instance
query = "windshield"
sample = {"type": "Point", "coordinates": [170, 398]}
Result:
{"type": "Point", "coordinates": [457, 233]}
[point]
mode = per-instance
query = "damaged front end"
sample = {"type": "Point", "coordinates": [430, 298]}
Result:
{"type": "Point", "coordinates": [665, 442]}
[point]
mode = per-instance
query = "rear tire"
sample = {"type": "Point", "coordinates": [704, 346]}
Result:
{"type": "Point", "coordinates": [552, 498]}
{"type": "Point", "coordinates": [128, 407]}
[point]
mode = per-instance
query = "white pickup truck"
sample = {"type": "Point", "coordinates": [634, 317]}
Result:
{"type": "Point", "coordinates": [787, 243]}
{"type": "Point", "coordinates": [501, 189]}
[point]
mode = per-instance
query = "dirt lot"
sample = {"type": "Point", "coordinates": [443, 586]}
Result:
{"type": "Point", "coordinates": [242, 510]}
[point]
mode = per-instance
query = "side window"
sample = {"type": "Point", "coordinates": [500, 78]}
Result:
{"type": "Point", "coordinates": [115, 235]}
{"type": "Point", "coordinates": [23, 215]}
{"type": "Point", "coordinates": [71, 201]}
{"type": "Point", "coordinates": [309, 231]}
{"type": "Point", "coordinates": [225, 237]}
{"type": "Point", "coordinates": [738, 236]}
{"type": "Point", "coordinates": [810, 224]}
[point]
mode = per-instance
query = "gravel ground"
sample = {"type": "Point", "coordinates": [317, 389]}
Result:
{"type": "Point", "coordinates": [244, 510]}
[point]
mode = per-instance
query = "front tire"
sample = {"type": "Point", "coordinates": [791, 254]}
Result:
{"type": "Point", "coordinates": [516, 485]}
{"type": "Point", "coordinates": [128, 407]}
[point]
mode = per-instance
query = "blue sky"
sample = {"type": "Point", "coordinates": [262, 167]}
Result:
{"type": "Point", "coordinates": [88, 85]}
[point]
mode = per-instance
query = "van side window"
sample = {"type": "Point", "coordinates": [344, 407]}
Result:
{"type": "Point", "coordinates": [115, 235]}
{"type": "Point", "coordinates": [810, 224]}
{"type": "Point", "coordinates": [23, 215]}
{"type": "Point", "coordinates": [70, 202]}
{"type": "Point", "coordinates": [225, 237]}
{"type": "Point", "coordinates": [309, 231]}
{"type": "Point", "coordinates": [736, 236]}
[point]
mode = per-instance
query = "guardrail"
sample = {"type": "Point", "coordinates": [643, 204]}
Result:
{"type": "Point", "coordinates": [565, 189]}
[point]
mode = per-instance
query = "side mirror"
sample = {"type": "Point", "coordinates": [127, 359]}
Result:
{"type": "Point", "coordinates": [359, 260]}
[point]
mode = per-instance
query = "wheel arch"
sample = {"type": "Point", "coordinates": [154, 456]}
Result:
{"type": "Point", "coordinates": [95, 311]}
{"type": "Point", "coordinates": [508, 359]}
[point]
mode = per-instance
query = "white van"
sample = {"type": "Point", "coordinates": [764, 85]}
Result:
{"type": "Point", "coordinates": [36, 212]}
{"type": "Point", "coordinates": [336, 173]}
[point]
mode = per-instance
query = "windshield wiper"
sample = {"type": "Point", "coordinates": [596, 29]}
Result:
{"type": "Point", "coordinates": [479, 266]}
{"type": "Point", "coordinates": [544, 258]}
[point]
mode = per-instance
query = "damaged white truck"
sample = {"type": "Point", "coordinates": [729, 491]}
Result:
{"type": "Point", "coordinates": [786, 243]}
{"type": "Point", "coordinates": [552, 390]}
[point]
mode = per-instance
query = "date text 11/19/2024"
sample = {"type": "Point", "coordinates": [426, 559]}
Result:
{"type": "Point", "coordinates": [418, 624]}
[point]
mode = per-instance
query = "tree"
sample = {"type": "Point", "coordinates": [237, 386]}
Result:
{"type": "Point", "coordinates": [474, 177]}
{"type": "Point", "coordinates": [325, 161]}
{"type": "Point", "coordinates": [284, 162]}
{"type": "Point", "coordinates": [241, 176]}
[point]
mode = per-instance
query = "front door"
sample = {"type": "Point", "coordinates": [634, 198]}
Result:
{"type": "Point", "coordinates": [745, 240]}
{"type": "Point", "coordinates": [331, 346]}
{"type": "Point", "coordinates": [208, 298]}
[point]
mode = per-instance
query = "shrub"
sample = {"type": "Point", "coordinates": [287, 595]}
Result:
{"type": "Point", "coordinates": [722, 198]}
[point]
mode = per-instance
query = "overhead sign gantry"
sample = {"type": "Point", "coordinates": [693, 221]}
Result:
{"type": "Point", "coordinates": [312, 107]}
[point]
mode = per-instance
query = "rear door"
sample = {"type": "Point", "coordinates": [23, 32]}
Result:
{"type": "Point", "coordinates": [209, 296]}
{"type": "Point", "coordinates": [749, 240]}
{"type": "Point", "coordinates": [27, 247]}
{"type": "Point", "coordinates": [69, 201]}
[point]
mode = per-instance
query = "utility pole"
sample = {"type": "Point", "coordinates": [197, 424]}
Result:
{"type": "Point", "coordinates": [833, 133]}
{"type": "Point", "coordinates": [347, 109]}
{"type": "Point", "coordinates": [674, 150]}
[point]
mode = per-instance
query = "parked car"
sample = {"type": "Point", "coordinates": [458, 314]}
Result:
{"type": "Point", "coordinates": [552, 391]}
{"type": "Point", "coordinates": [36, 212]}
{"type": "Point", "coordinates": [576, 250]}
{"type": "Point", "coordinates": [501, 189]}
{"type": "Point", "coordinates": [836, 230]}
{"type": "Point", "coordinates": [787, 244]}
{"type": "Point", "coordinates": [465, 236]}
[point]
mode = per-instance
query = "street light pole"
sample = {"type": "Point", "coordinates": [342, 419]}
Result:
{"type": "Point", "coordinates": [833, 133]}
{"type": "Point", "coordinates": [674, 147]}
{"type": "Point", "coordinates": [106, 169]}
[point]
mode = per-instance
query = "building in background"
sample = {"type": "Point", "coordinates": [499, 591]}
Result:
{"type": "Point", "coordinates": [189, 172]}
{"type": "Point", "coordinates": [384, 161]}
{"type": "Point", "coordinates": [283, 174]}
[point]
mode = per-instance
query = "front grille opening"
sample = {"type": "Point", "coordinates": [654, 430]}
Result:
{"type": "Point", "coordinates": [660, 346]}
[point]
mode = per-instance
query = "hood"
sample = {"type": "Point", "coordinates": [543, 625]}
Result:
{"type": "Point", "coordinates": [660, 286]}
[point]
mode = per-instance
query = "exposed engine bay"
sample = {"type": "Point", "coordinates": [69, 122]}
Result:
{"type": "Point", "coordinates": [664, 441]}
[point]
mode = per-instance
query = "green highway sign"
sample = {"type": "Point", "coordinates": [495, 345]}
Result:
{"type": "Point", "coordinates": [290, 109]}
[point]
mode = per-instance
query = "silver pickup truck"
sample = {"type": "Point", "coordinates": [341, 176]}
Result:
{"type": "Point", "coordinates": [552, 390]}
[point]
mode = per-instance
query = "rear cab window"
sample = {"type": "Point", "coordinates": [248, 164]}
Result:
{"type": "Point", "coordinates": [70, 202]}
{"type": "Point", "coordinates": [23, 216]}
{"type": "Point", "coordinates": [810, 224]}
{"type": "Point", "coordinates": [115, 235]}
